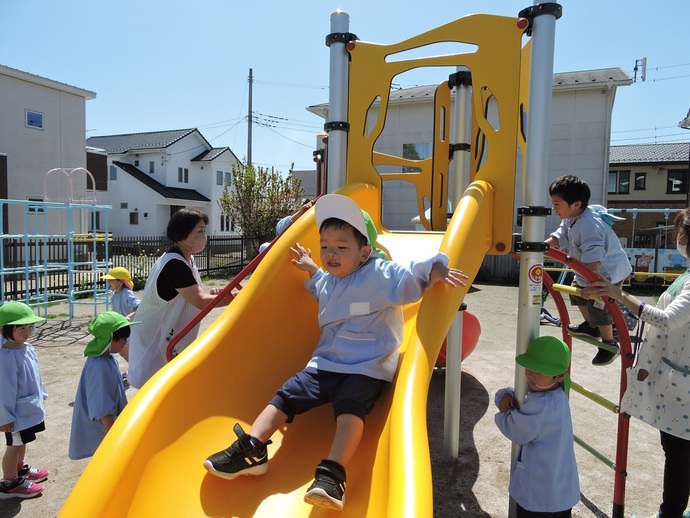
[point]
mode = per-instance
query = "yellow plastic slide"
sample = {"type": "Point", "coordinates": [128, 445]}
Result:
{"type": "Point", "coordinates": [150, 463]}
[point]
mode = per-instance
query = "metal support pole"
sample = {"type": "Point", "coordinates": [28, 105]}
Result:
{"type": "Point", "coordinates": [451, 414]}
{"type": "Point", "coordinates": [337, 102]}
{"type": "Point", "coordinates": [534, 192]}
{"type": "Point", "coordinates": [461, 158]}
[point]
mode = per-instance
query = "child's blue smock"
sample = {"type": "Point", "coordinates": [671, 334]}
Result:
{"type": "Point", "coordinates": [361, 317]}
{"type": "Point", "coordinates": [100, 393]}
{"type": "Point", "coordinates": [590, 239]}
{"type": "Point", "coordinates": [544, 477]}
{"type": "Point", "coordinates": [124, 301]}
{"type": "Point", "coordinates": [21, 388]}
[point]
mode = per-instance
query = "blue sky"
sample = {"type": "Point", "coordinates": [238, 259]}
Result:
{"type": "Point", "coordinates": [158, 65]}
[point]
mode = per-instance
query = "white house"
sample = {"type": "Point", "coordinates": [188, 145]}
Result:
{"type": "Point", "coordinates": [42, 127]}
{"type": "Point", "coordinates": [151, 175]}
{"type": "Point", "coordinates": [580, 134]}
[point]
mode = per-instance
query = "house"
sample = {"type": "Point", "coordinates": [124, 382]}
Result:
{"type": "Point", "coordinates": [42, 127]}
{"type": "Point", "coordinates": [151, 175]}
{"type": "Point", "coordinates": [648, 177]}
{"type": "Point", "coordinates": [580, 130]}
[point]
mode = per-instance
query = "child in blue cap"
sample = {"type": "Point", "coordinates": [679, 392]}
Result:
{"type": "Point", "coordinates": [360, 294]}
{"type": "Point", "coordinates": [101, 393]}
{"type": "Point", "coordinates": [22, 393]}
{"type": "Point", "coordinates": [544, 477]}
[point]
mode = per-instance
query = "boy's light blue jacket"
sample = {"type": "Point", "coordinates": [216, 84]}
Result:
{"type": "Point", "coordinates": [590, 239]}
{"type": "Point", "coordinates": [361, 318]}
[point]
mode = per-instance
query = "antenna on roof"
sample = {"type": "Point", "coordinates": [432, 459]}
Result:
{"type": "Point", "coordinates": [643, 74]}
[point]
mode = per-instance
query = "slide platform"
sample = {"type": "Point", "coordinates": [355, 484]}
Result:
{"type": "Point", "coordinates": [150, 463]}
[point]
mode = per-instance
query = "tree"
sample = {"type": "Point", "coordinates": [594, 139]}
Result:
{"type": "Point", "coordinates": [256, 199]}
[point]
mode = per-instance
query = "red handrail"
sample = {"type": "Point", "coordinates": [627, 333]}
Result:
{"type": "Point", "coordinates": [621, 461]}
{"type": "Point", "coordinates": [226, 292]}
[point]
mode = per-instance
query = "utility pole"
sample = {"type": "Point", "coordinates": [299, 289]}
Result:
{"type": "Point", "coordinates": [249, 120]}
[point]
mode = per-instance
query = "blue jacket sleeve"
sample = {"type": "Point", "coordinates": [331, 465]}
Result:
{"type": "Point", "coordinates": [522, 425]}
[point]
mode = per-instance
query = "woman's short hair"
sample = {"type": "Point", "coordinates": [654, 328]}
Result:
{"type": "Point", "coordinates": [183, 222]}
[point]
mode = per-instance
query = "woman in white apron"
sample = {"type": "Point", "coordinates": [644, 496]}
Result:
{"type": "Point", "coordinates": [173, 296]}
{"type": "Point", "coordinates": [658, 390]}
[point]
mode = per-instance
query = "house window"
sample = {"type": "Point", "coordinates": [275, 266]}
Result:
{"type": "Point", "coordinates": [133, 218]}
{"type": "Point", "coordinates": [34, 119]}
{"type": "Point", "coordinates": [225, 223]}
{"type": "Point", "coordinates": [677, 182]}
{"type": "Point", "coordinates": [175, 208]}
{"type": "Point", "coordinates": [227, 179]}
{"type": "Point", "coordinates": [136, 163]}
{"type": "Point", "coordinates": [640, 181]}
{"type": "Point", "coordinates": [113, 172]}
{"type": "Point", "coordinates": [219, 177]}
{"type": "Point", "coordinates": [415, 152]}
{"type": "Point", "coordinates": [619, 182]}
{"type": "Point", "coordinates": [36, 208]}
{"type": "Point", "coordinates": [183, 175]}
{"type": "Point", "coordinates": [151, 167]}
{"type": "Point", "coordinates": [123, 205]}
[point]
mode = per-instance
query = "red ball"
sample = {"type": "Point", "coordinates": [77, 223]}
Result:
{"type": "Point", "coordinates": [471, 329]}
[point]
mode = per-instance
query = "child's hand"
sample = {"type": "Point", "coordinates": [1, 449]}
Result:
{"type": "Point", "coordinates": [451, 276]}
{"type": "Point", "coordinates": [506, 403]}
{"type": "Point", "coordinates": [304, 208]}
{"type": "Point", "coordinates": [303, 259]}
{"type": "Point", "coordinates": [8, 428]}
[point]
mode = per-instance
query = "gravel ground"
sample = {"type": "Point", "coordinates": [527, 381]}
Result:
{"type": "Point", "coordinates": [475, 485]}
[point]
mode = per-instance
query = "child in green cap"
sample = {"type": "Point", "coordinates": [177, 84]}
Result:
{"type": "Point", "coordinates": [21, 401]}
{"type": "Point", "coordinates": [544, 477]}
{"type": "Point", "coordinates": [101, 393]}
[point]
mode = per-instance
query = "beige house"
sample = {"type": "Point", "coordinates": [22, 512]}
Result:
{"type": "Point", "coordinates": [42, 126]}
{"type": "Point", "coordinates": [580, 135]}
{"type": "Point", "coordinates": [654, 179]}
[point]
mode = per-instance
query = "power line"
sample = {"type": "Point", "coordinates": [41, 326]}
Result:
{"type": "Point", "coordinates": [672, 137]}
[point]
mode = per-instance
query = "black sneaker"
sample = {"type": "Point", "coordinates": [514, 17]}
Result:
{"type": "Point", "coordinates": [328, 488]}
{"type": "Point", "coordinates": [241, 458]}
{"type": "Point", "coordinates": [605, 356]}
{"type": "Point", "coordinates": [584, 329]}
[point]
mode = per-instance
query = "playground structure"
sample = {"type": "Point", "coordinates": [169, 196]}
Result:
{"type": "Point", "coordinates": [47, 265]}
{"type": "Point", "coordinates": [187, 410]}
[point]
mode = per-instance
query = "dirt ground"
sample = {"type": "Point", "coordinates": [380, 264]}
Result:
{"type": "Point", "coordinates": [476, 485]}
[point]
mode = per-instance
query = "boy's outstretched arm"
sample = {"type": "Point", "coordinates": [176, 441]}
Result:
{"type": "Point", "coordinates": [451, 276]}
{"type": "Point", "coordinates": [303, 260]}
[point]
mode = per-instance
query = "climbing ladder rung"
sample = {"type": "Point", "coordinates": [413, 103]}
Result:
{"type": "Point", "coordinates": [609, 405]}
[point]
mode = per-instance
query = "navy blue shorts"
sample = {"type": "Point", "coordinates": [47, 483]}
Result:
{"type": "Point", "coordinates": [24, 436]}
{"type": "Point", "coordinates": [350, 393]}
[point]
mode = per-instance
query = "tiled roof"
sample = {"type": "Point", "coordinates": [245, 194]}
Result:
{"type": "Point", "coordinates": [133, 141]}
{"type": "Point", "coordinates": [173, 193]}
{"type": "Point", "coordinates": [671, 152]}
{"type": "Point", "coordinates": [211, 154]}
{"type": "Point", "coordinates": [584, 78]}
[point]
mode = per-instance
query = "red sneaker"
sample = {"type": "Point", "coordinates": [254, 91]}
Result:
{"type": "Point", "coordinates": [19, 488]}
{"type": "Point", "coordinates": [32, 474]}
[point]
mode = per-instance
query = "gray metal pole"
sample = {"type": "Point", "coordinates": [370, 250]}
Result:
{"type": "Point", "coordinates": [337, 102]}
{"type": "Point", "coordinates": [543, 18]}
{"type": "Point", "coordinates": [453, 390]}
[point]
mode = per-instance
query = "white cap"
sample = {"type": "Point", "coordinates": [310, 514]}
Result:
{"type": "Point", "coordinates": [342, 208]}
